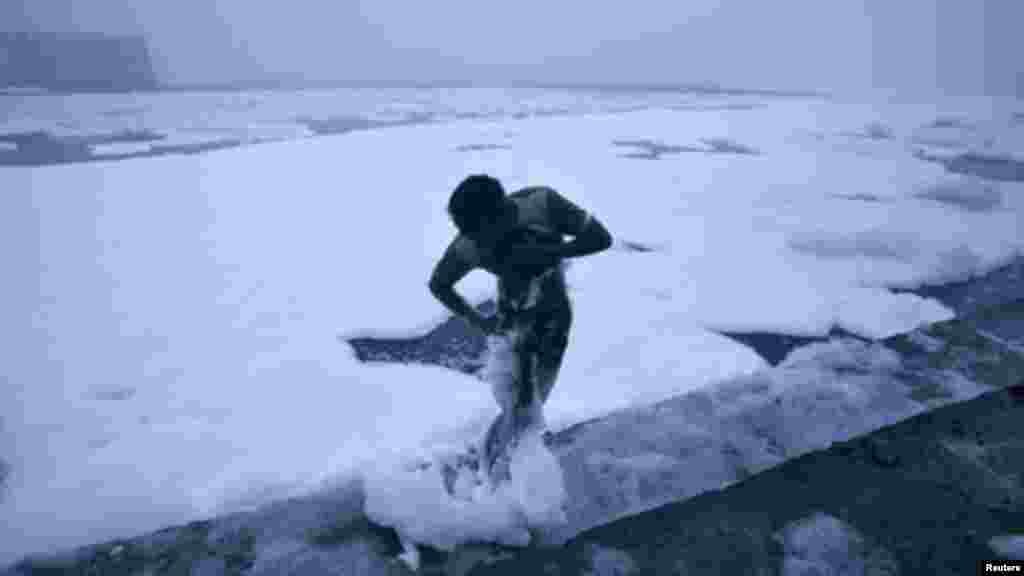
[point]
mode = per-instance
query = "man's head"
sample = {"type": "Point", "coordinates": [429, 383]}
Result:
{"type": "Point", "coordinates": [479, 208]}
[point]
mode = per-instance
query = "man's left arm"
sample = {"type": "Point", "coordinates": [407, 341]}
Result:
{"type": "Point", "coordinates": [589, 236]}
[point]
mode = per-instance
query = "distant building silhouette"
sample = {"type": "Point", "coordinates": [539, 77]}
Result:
{"type": "Point", "coordinates": [72, 62]}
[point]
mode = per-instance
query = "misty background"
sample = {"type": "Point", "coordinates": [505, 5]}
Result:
{"type": "Point", "coordinates": [912, 46]}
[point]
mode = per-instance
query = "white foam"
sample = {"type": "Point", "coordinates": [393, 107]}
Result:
{"type": "Point", "coordinates": [823, 544]}
{"type": "Point", "coordinates": [214, 288]}
{"type": "Point", "coordinates": [409, 495]}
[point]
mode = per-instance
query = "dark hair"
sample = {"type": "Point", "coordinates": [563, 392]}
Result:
{"type": "Point", "coordinates": [475, 197]}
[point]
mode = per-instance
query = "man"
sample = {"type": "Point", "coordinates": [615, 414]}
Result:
{"type": "Point", "coordinates": [519, 238]}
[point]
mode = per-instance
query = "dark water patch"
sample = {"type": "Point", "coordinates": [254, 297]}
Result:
{"type": "Point", "coordinates": [5, 473]}
{"type": "Point", "coordinates": [997, 287]}
{"type": "Point", "coordinates": [41, 149]}
{"type": "Point", "coordinates": [714, 107]}
{"type": "Point", "coordinates": [984, 166]}
{"type": "Point", "coordinates": [653, 150]}
{"type": "Point", "coordinates": [871, 198]}
{"type": "Point", "coordinates": [454, 345]}
{"type": "Point", "coordinates": [951, 144]}
{"type": "Point", "coordinates": [650, 150]}
{"type": "Point", "coordinates": [878, 131]}
{"type": "Point", "coordinates": [964, 196]}
{"type": "Point", "coordinates": [998, 168]}
{"type": "Point", "coordinates": [336, 124]}
{"type": "Point", "coordinates": [865, 245]}
{"type": "Point", "coordinates": [725, 146]}
{"type": "Point", "coordinates": [127, 137]}
{"type": "Point", "coordinates": [45, 149]}
{"type": "Point", "coordinates": [124, 112]}
{"type": "Point", "coordinates": [100, 443]}
{"type": "Point", "coordinates": [197, 148]}
{"type": "Point", "coordinates": [774, 347]}
{"type": "Point", "coordinates": [41, 139]}
{"type": "Point", "coordinates": [640, 156]}
{"type": "Point", "coordinates": [481, 147]}
{"type": "Point", "coordinates": [418, 118]}
{"type": "Point", "coordinates": [949, 122]}
{"type": "Point", "coordinates": [552, 112]}
{"type": "Point", "coordinates": [872, 131]}
{"type": "Point", "coordinates": [947, 133]}
{"type": "Point", "coordinates": [703, 89]}
{"type": "Point", "coordinates": [116, 394]}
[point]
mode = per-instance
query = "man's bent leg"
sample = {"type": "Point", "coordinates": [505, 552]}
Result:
{"type": "Point", "coordinates": [539, 346]}
{"type": "Point", "coordinates": [506, 369]}
{"type": "Point", "coordinates": [494, 446]}
{"type": "Point", "coordinates": [553, 339]}
{"type": "Point", "coordinates": [543, 348]}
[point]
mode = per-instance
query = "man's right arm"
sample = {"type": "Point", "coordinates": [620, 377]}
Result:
{"type": "Point", "coordinates": [453, 267]}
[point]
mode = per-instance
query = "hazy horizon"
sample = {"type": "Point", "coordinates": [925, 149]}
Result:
{"type": "Point", "coordinates": [915, 46]}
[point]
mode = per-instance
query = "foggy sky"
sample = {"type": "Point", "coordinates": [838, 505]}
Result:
{"type": "Point", "coordinates": [954, 46]}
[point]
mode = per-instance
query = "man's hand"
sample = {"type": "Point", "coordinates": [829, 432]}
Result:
{"type": "Point", "coordinates": [486, 324]}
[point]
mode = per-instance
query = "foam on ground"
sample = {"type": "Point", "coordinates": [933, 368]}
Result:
{"type": "Point", "coordinates": [408, 494]}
